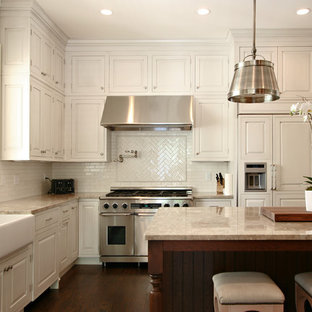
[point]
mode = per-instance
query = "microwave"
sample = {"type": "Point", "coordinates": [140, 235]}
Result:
{"type": "Point", "coordinates": [62, 186]}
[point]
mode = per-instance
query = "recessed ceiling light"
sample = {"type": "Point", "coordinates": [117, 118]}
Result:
{"type": "Point", "coordinates": [203, 11]}
{"type": "Point", "coordinates": [303, 11]}
{"type": "Point", "coordinates": [106, 12]}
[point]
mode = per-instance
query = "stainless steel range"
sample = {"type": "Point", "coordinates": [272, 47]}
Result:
{"type": "Point", "coordinates": [124, 215]}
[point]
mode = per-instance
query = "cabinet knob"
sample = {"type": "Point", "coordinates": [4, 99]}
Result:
{"type": "Point", "coordinates": [102, 154]}
{"type": "Point", "coordinates": [43, 73]}
{"type": "Point", "coordinates": [145, 87]}
{"type": "Point", "coordinates": [197, 153]}
{"type": "Point", "coordinates": [155, 87]}
{"type": "Point", "coordinates": [102, 88]}
{"type": "Point", "coordinates": [56, 153]}
{"type": "Point", "coordinates": [56, 82]}
{"type": "Point", "coordinates": [197, 87]}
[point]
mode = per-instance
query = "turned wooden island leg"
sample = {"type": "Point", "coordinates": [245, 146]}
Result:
{"type": "Point", "coordinates": [155, 269]}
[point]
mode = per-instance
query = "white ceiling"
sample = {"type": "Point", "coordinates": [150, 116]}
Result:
{"type": "Point", "coordinates": [170, 19]}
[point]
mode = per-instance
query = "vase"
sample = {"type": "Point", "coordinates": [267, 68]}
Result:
{"type": "Point", "coordinates": [308, 200]}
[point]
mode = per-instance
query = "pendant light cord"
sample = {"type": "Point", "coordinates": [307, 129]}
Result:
{"type": "Point", "coordinates": [254, 50]}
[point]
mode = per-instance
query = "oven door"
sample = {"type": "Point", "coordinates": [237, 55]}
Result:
{"type": "Point", "coordinates": [116, 234]}
{"type": "Point", "coordinates": [142, 220]}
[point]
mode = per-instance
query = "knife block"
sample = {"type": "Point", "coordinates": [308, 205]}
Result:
{"type": "Point", "coordinates": [219, 188]}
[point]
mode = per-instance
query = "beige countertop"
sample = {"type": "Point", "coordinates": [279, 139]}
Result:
{"type": "Point", "coordinates": [229, 223]}
{"type": "Point", "coordinates": [210, 195]}
{"type": "Point", "coordinates": [36, 204]}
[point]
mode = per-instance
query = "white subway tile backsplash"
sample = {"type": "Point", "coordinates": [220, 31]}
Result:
{"type": "Point", "coordinates": [164, 159]}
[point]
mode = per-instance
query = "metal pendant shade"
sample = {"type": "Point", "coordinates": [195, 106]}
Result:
{"type": "Point", "coordinates": [254, 80]}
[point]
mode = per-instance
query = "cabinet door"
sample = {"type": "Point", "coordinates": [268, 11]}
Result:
{"type": "Point", "coordinates": [58, 69]}
{"type": "Point", "coordinates": [289, 199]}
{"type": "Point", "coordinates": [58, 122]}
{"type": "Point", "coordinates": [74, 230]}
{"type": "Point", "coordinates": [269, 53]}
{"type": "Point", "coordinates": [211, 73]}
{"type": "Point", "coordinates": [47, 60]}
{"type": "Point", "coordinates": [255, 136]}
{"type": "Point", "coordinates": [295, 71]}
{"type": "Point", "coordinates": [128, 74]}
{"type": "Point", "coordinates": [211, 130]}
{"type": "Point", "coordinates": [260, 200]}
{"type": "Point", "coordinates": [89, 228]}
{"type": "Point", "coordinates": [17, 280]}
{"type": "Point", "coordinates": [212, 203]}
{"type": "Point", "coordinates": [88, 135]}
{"type": "Point", "coordinates": [35, 120]}
{"type": "Point", "coordinates": [88, 74]}
{"type": "Point", "coordinates": [64, 245]}
{"type": "Point", "coordinates": [172, 74]}
{"type": "Point", "coordinates": [291, 152]}
{"type": "Point", "coordinates": [46, 123]}
{"type": "Point", "coordinates": [35, 51]}
{"type": "Point", "coordinates": [45, 260]}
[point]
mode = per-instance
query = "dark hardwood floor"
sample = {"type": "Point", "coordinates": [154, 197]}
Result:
{"type": "Point", "coordinates": [89, 288]}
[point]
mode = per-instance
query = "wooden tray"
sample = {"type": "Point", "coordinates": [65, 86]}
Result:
{"type": "Point", "coordinates": [287, 214]}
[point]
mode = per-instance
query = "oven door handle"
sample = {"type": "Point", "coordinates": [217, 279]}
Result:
{"type": "Point", "coordinates": [115, 214]}
{"type": "Point", "coordinates": [142, 214]}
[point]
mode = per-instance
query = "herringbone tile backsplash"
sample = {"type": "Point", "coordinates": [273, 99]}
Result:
{"type": "Point", "coordinates": [164, 159]}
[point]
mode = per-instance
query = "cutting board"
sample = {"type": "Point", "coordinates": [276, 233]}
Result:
{"type": "Point", "coordinates": [287, 214]}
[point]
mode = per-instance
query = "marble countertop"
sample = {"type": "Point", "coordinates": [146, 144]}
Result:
{"type": "Point", "coordinates": [228, 223]}
{"type": "Point", "coordinates": [210, 195]}
{"type": "Point", "coordinates": [36, 204]}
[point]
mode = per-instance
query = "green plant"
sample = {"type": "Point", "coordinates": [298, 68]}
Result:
{"type": "Point", "coordinates": [309, 182]}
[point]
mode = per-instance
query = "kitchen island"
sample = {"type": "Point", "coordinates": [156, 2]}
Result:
{"type": "Point", "coordinates": [188, 245]}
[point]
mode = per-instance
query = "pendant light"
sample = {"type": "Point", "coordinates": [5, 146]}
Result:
{"type": "Point", "coordinates": [254, 80]}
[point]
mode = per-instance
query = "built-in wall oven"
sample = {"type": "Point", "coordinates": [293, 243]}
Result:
{"type": "Point", "coordinates": [125, 213]}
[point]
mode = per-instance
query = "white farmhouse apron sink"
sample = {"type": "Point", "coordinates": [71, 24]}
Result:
{"type": "Point", "coordinates": [16, 231]}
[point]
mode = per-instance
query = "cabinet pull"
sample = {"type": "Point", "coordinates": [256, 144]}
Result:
{"type": "Point", "coordinates": [56, 153]}
{"type": "Point", "coordinates": [145, 87]}
{"type": "Point", "coordinates": [102, 88]}
{"type": "Point", "coordinates": [197, 153]}
{"type": "Point", "coordinates": [56, 82]}
{"type": "Point", "coordinates": [102, 154]}
{"type": "Point", "coordinates": [64, 211]}
{"type": "Point", "coordinates": [155, 87]}
{"type": "Point", "coordinates": [49, 219]}
{"type": "Point", "coordinates": [73, 208]}
{"type": "Point", "coordinates": [43, 74]}
{"type": "Point", "coordinates": [197, 87]}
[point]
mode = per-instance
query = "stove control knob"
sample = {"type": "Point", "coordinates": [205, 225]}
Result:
{"type": "Point", "coordinates": [176, 205]}
{"type": "Point", "coordinates": [115, 206]}
{"type": "Point", "coordinates": [166, 205]}
{"type": "Point", "coordinates": [185, 205]}
{"type": "Point", "coordinates": [106, 205]}
{"type": "Point", "coordinates": [124, 206]}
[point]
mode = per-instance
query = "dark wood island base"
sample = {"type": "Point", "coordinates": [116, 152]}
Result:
{"type": "Point", "coordinates": [181, 270]}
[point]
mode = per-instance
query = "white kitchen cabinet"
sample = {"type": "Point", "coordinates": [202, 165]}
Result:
{"type": "Point", "coordinates": [210, 134]}
{"type": "Point", "coordinates": [171, 74]}
{"type": "Point", "coordinates": [58, 126]}
{"type": "Point", "coordinates": [128, 74]}
{"type": "Point", "coordinates": [88, 74]}
{"type": "Point", "coordinates": [89, 139]}
{"type": "Point", "coordinates": [295, 72]}
{"type": "Point", "coordinates": [59, 69]}
{"type": "Point", "coordinates": [46, 264]}
{"type": "Point", "coordinates": [74, 232]}
{"type": "Point", "coordinates": [41, 102]}
{"type": "Point", "coordinates": [213, 202]}
{"type": "Point", "coordinates": [16, 280]}
{"type": "Point", "coordinates": [211, 73]}
{"type": "Point", "coordinates": [64, 244]}
{"type": "Point", "coordinates": [255, 139]}
{"type": "Point", "coordinates": [89, 228]}
{"type": "Point", "coordinates": [255, 200]}
{"type": "Point", "coordinates": [289, 199]}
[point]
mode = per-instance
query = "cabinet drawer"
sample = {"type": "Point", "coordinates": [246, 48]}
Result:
{"type": "Point", "coordinates": [65, 211]}
{"type": "Point", "coordinates": [46, 219]}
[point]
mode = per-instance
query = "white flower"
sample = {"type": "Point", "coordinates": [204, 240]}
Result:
{"type": "Point", "coordinates": [303, 109]}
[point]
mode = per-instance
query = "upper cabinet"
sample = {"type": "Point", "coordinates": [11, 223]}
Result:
{"type": "Point", "coordinates": [211, 73]}
{"type": "Point", "coordinates": [88, 74]}
{"type": "Point", "coordinates": [128, 74]}
{"type": "Point", "coordinates": [59, 69]}
{"type": "Point", "coordinates": [171, 74]}
{"type": "Point", "coordinates": [211, 130]}
{"type": "Point", "coordinates": [295, 71]}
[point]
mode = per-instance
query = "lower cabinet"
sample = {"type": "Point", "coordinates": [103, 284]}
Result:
{"type": "Point", "coordinates": [255, 200]}
{"type": "Point", "coordinates": [213, 202]}
{"type": "Point", "coordinates": [46, 270]}
{"type": "Point", "coordinates": [88, 228]}
{"type": "Point", "coordinates": [16, 280]}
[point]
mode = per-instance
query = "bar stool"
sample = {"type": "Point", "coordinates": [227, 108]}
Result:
{"type": "Point", "coordinates": [246, 291]}
{"type": "Point", "coordinates": [303, 286]}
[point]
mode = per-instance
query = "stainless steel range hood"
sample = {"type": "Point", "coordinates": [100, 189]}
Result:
{"type": "Point", "coordinates": [148, 113]}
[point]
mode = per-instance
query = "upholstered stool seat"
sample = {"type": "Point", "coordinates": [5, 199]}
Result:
{"type": "Point", "coordinates": [246, 291]}
{"type": "Point", "coordinates": [303, 291]}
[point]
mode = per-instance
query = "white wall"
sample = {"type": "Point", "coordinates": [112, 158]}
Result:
{"type": "Point", "coordinates": [23, 179]}
{"type": "Point", "coordinates": [164, 159]}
